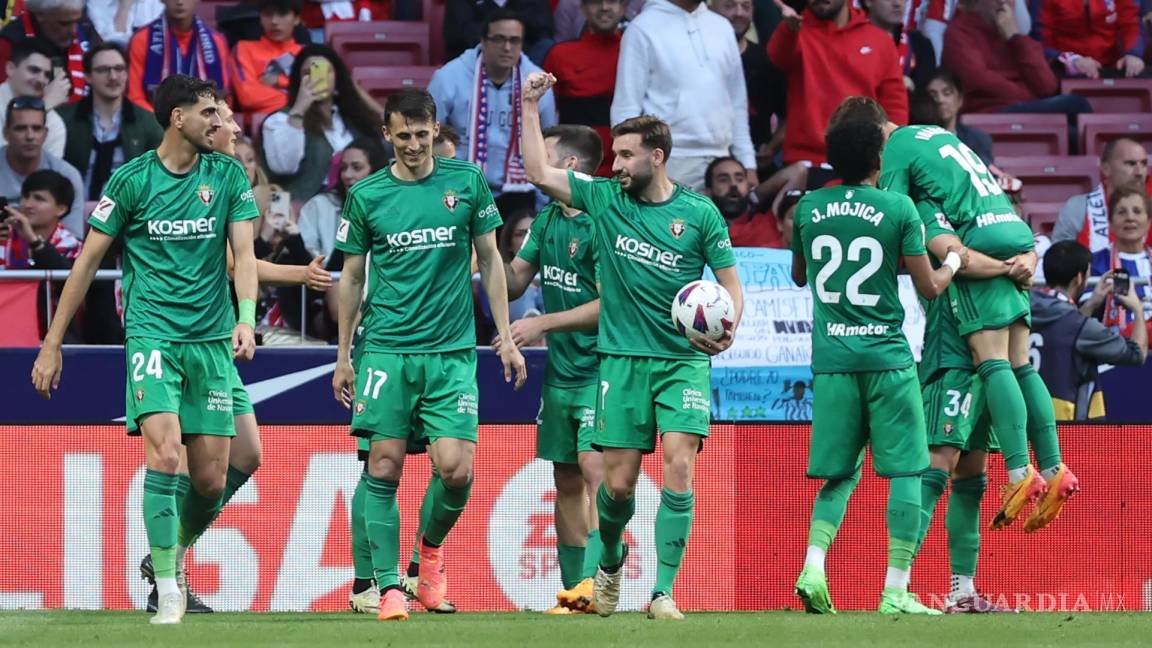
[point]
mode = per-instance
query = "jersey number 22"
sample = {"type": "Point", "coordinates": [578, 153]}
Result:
{"type": "Point", "coordinates": [856, 249]}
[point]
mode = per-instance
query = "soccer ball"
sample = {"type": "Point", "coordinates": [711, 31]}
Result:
{"type": "Point", "coordinates": [703, 309]}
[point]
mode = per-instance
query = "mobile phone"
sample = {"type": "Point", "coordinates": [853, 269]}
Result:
{"type": "Point", "coordinates": [1121, 282]}
{"type": "Point", "coordinates": [58, 72]}
{"type": "Point", "coordinates": [3, 209]}
{"type": "Point", "coordinates": [319, 70]}
{"type": "Point", "coordinates": [280, 205]}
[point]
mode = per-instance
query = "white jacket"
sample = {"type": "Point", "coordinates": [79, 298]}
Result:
{"type": "Point", "coordinates": [685, 69]}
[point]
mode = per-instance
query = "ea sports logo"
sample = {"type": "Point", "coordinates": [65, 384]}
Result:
{"type": "Point", "coordinates": [522, 541]}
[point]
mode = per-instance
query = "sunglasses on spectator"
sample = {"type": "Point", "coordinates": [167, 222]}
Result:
{"type": "Point", "coordinates": [26, 103]}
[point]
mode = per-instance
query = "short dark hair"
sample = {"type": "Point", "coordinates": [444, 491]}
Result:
{"type": "Point", "coordinates": [280, 6]}
{"type": "Point", "coordinates": [708, 170]}
{"type": "Point", "coordinates": [1064, 261]}
{"type": "Point", "coordinates": [1110, 146]}
{"type": "Point", "coordinates": [653, 132]}
{"type": "Point", "coordinates": [1118, 194]}
{"type": "Point", "coordinates": [59, 187]}
{"type": "Point", "coordinates": [24, 103]}
{"type": "Point", "coordinates": [500, 15]}
{"type": "Point", "coordinates": [106, 46]}
{"type": "Point", "coordinates": [923, 110]}
{"type": "Point", "coordinates": [21, 50]}
{"type": "Point", "coordinates": [853, 149]}
{"type": "Point", "coordinates": [945, 75]}
{"type": "Point", "coordinates": [410, 103]}
{"type": "Point", "coordinates": [180, 91]}
{"type": "Point", "coordinates": [448, 134]}
{"type": "Point", "coordinates": [859, 109]}
{"type": "Point", "coordinates": [373, 150]}
{"type": "Point", "coordinates": [580, 141]}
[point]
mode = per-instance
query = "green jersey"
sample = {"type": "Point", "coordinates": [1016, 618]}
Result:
{"type": "Point", "coordinates": [563, 248]}
{"type": "Point", "coordinates": [175, 230]}
{"type": "Point", "coordinates": [419, 234]}
{"type": "Point", "coordinates": [852, 238]}
{"type": "Point", "coordinates": [647, 253]}
{"type": "Point", "coordinates": [944, 348]}
{"type": "Point", "coordinates": [930, 163]}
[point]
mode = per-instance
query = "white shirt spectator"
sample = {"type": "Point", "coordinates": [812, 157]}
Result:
{"type": "Point", "coordinates": [284, 144]}
{"type": "Point", "coordinates": [57, 131]}
{"type": "Point", "coordinates": [319, 219]}
{"type": "Point", "coordinates": [102, 13]}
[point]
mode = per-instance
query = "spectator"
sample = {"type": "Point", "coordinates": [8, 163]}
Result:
{"type": "Point", "coordinates": [512, 236]}
{"type": "Point", "coordinates": [465, 25]}
{"type": "Point", "coordinates": [680, 63]}
{"type": "Point", "coordinates": [317, 13]}
{"type": "Point", "coordinates": [117, 20]}
{"type": "Point", "coordinates": [320, 216]}
{"type": "Point", "coordinates": [28, 76]}
{"type": "Point", "coordinates": [261, 189]}
{"type": "Point", "coordinates": [1091, 38]}
{"type": "Point", "coordinates": [763, 81]}
{"type": "Point", "coordinates": [446, 142]}
{"type": "Point", "coordinates": [1072, 344]}
{"type": "Point", "coordinates": [945, 91]}
{"type": "Point", "coordinates": [787, 211]}
{"type": "Point", "coordinates": [324, 116]}
{"type": "Point", "coordinates": [830, 53]}
{"type": "Point", "coordinates": [178, 42]}
{"type": "Point", "coordinates": [726, 181]}
{"type": "Point", "coordinates": [490, 127]}
{"type": "Point", "coordinates": [1003, 69]}
{"type": "Point", "coordinates": [24, 133]}
{"type": "Point", "coordinates": [917, 57]}
{"type": "Point", "coordinates": [570, 19]}
{"type": "Point", "coordinates": [37, 240]}
{"type": "Point", "coordinates": [1128, 221]}
{"type": "Point", "coordinates": [61, 23]}
{"type": "Point", "coordinates": [1084, 217]}
{"type": "Point", "coordinates": [933, 17]}
{"type": "Point", "coordinates": [585, 71]}
{"type": "Point", "coordinates": [106, 130]}
{"type": "Point", "coordinates": [263, 66]}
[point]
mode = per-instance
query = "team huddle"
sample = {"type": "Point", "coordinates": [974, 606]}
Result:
{"type": "Point", "coordinates": [612, 255]}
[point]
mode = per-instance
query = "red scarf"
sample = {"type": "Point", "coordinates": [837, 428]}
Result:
{"type": "Point", "coordinates": [75, 56]}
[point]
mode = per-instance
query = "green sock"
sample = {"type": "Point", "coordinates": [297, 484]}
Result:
{"type": "Point", "coordinates": [673, 525]}
{"type": "Point", "coordinates": [828, 510]}
{"type": "Point", "coordinates": [183, 485]}
{"type": "Point", "coordinates": [426, 505]}
{"type": "Point", "coordinates": [614, 516]}
{"type": "Point", "coordinates": [1041, 417]}
{"type": "Point", "coordinates": [361, 548]}
{"type": "Point", "coordinates": [236, 480]}
{"type": "Point", "coordinates": [592, 554]}
{"type": "Point", "coordinates": [446, 509]}
{"type": "Point", "coordinates": [1008, 412]}
{"type": "Point", "coordinates": [963, 522]}
{"type": "Point", "coordinates": [161, 521]}
{"type": "Point", "coordinates": [196, 514]}
{"type": "Point", "coordinates": [931, 488]}
{"type": "Point", "coordinates": [903, 520]}
{"type": "Point", "coordinates": [571, 559]}
{"type": "Point", "coordinates": [382, 520]}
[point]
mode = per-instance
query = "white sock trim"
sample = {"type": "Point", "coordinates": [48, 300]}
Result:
{"type": "Point", "coordinates": [165, 586]}
{"type": "Point", "coordinates": [896, 577]}
{"type": "Point", "coordinates": [815, 557]}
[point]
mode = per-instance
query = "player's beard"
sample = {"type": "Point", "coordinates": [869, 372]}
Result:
{"type": "Point", "coordinates": [638, 182]}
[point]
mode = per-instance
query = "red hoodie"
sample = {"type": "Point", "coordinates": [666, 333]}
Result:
{"type": "Point", "coordinates": [995, 72]}
{"type": "Point", "coordinates": [1102, 29]}
{"type": "Point", "coordinates": [824, 65]}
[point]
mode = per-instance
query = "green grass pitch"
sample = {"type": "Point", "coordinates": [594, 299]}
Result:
{"type": "Point", "coordinates": [774, 629]}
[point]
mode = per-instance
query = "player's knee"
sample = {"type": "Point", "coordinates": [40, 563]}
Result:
{"type": "Point", "coordinates": [385, 468]}
{"type": "Point", "coordinates": [569, 481]}
{"type": "Point", "coordinates": [620, 485]}
{"type": "Point", "coordinates": [457, 475]}
{"type": "Point", "coordinates": [210, 486]}
{"type": "Point", "coordinates": [678, 473]}
{"type": "Point", "coordinates": [166, 461]}
{"type": "Point", "coordinates": [248, 461]}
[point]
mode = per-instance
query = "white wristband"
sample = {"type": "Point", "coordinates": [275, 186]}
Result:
{"type": "Point", "coordinates": [953, 261]}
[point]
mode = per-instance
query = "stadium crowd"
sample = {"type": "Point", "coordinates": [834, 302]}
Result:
{"type": "Point", "coordinates": [747, 87]}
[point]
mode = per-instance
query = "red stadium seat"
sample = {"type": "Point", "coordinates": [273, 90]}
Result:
{"type": "Point", "coordinates": [1112, 95]}
{"type": "Point", "coordinates": [432, 12]}
{"type": "Point", "coordinates": [381, 81]}
{"type": "Point", "coordinates": [1023, 134]}
{"type": "Point", "coordinates": [1053, 179]}
{"type": "Point", "coordinates": [1041, 216]}
{"type": "Point", "coordinates": [386, 42]}
{"type": "Point", "coordinates": [1097, 130]}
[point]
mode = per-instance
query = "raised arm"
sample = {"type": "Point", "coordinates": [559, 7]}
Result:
{"type": "Point", "coordinates": [49, 362]}
{"type": "Point", "coordinates": [550, 180]}
{"type": "Point", "coordinates": [493, 281]}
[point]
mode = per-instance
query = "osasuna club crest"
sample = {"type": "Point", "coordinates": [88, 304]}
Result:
{"type": "Point", "coordinates": [205, 194]}
{"type": "Point", "coordinates": [450, 200]}
{"type": "Point", "coordinates": [573, 247]}
{"type": "Point", "coordinates": [678, 227]}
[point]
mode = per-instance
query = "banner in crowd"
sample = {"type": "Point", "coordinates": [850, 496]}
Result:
{"type": "Point", "coordinates": [76, 536]}
{"type": "Point", "coordinates": [767, 375]}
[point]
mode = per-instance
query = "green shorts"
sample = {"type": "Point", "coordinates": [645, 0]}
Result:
{"type": "Point", "coordinates": [988, 304]}
{"type": "Point", "coordinates": [955, 412]}
{"type": "Point", "coordinates": [241, 403]}
{"type": "Point", "coordinates": [853, 410]}
{"type": "Point", "coordinates": [417, 444]}
{"type": "Point", "coordinates": [566, 422]}
{"type": "Point", "coordinates": [193, 380]}
{"type": "Point", "coordinates": [639, 396]}
{"type": "Point", "coordinates": [416, 395]}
